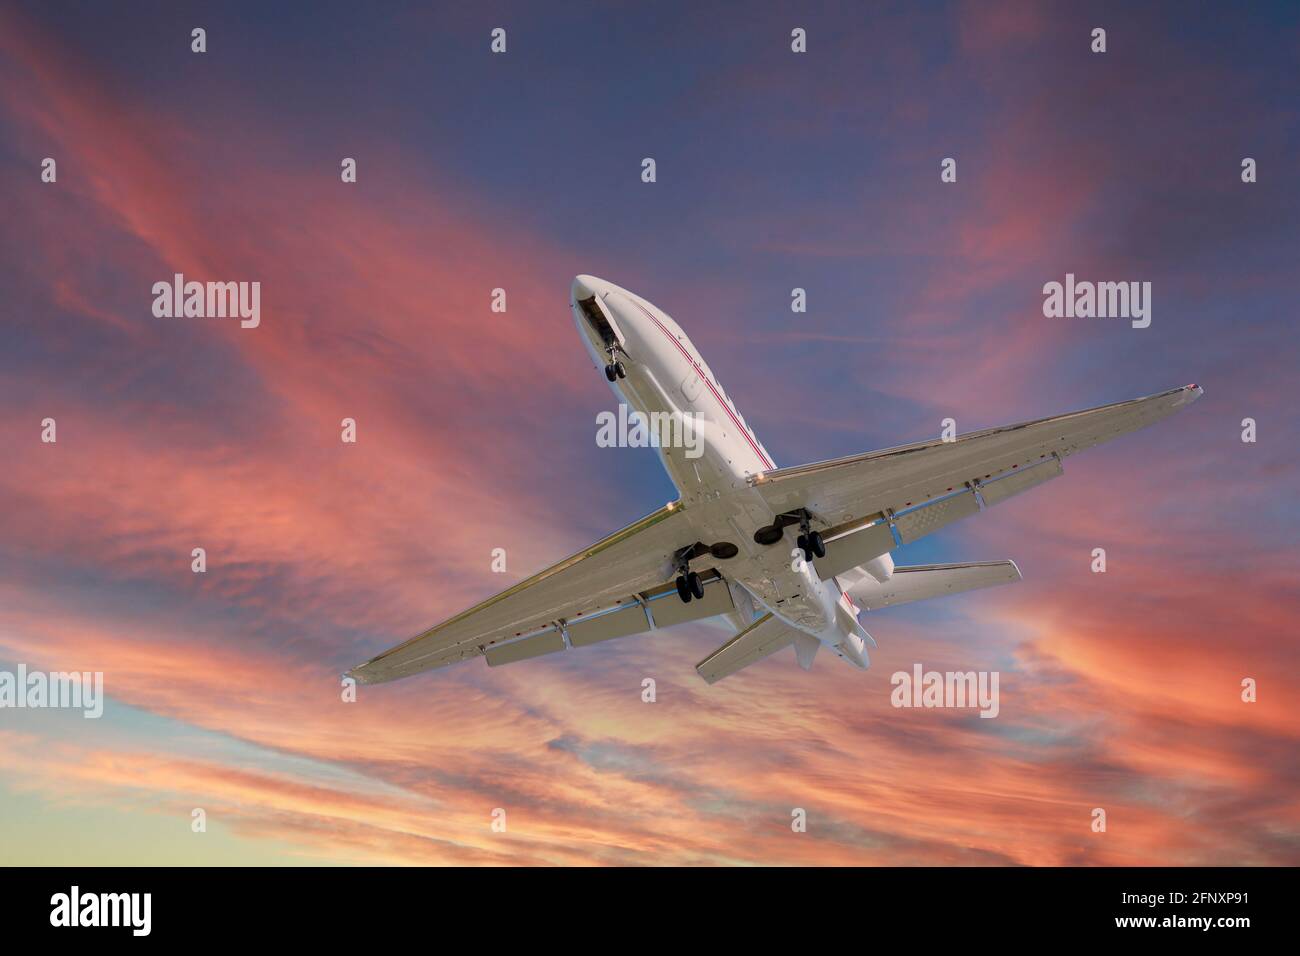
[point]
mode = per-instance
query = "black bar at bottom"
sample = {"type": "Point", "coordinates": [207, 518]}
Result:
{"type": "Point", "coordinates": [497, 906]}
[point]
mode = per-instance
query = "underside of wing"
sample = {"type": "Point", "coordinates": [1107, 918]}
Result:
{"type": "Point", "coordinates": [761, 639]}
{"type": "Point", "coordinates": [611, 589]}
{"type": "Point", "coordinates": [916, 489]}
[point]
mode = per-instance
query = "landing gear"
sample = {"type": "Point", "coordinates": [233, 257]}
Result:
{"type": "Point", "coordinates": [809, 541]}
{"type": "Point", "coordinates": [816, 543]}
{"type": "Point", "coordinates": [614, 368]}
{"type": "Point", "coordinates": [812, 544]}
{"type": "Point", "coordinates": [689, 586]}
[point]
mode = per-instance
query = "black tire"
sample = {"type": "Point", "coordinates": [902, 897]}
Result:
{"type": "Point", "coordinates": [695, 584]}
{"type": "Point", "coordinates": [724, 550]}
{"type": "Point", "coordinates": [610, 373]}
{"type": "Point", "coordinates": [816, 545]}
{"type": "Point", "coordinates": [683, 590]}
{"type": "Point", "coordinates": [801, 542]}
{"type": "Point", "coordinates": [619, 370]}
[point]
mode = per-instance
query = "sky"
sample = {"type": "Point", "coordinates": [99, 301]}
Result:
{"type": "Point", "coordinates": [1120, 690]}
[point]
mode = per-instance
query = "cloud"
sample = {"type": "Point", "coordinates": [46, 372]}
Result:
{"type": "Point", "coordinates": [1119, 690]}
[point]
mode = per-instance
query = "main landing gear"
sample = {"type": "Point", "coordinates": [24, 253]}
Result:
{"type": "Point", "coordinates": [614, 368]}
{"type": "Point", "coordinates": [689, 586]}
{"type": "Point", "coordinates": [809, 541]}
{"type": "Point", "coordinates": [812, 544]}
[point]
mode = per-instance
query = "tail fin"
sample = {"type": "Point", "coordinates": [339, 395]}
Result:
{"type": "Point", "coordinates": [805, 649]}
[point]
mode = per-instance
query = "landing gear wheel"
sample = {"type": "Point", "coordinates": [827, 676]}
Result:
{"type": "Point", "coordinates": [619, 370]}
{"type": "Point", "coordinates": [611, 373]}
{"type": "Point", "coordinates": [683, 590]}
{"type": "Point", "coordinates": [816, 545]}
{"type": "Point", "coordinates": [695, 584]}
{"type": "Point", "coordinates": [802, 544]}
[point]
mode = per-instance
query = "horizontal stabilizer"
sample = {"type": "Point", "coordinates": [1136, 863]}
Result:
{"type": "Point", "coordinates": [764, 637]}
{"type": "Point", "coordinates": [920, 582]}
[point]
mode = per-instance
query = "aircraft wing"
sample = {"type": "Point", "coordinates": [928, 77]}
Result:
{"type": "Point", "coordinates": [761, 639]}
{"type": "Point", "coordinates": [608, 590]}
{"type": "Point", "coordinates": [917, 489]}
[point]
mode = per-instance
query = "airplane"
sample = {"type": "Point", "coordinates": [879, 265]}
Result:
{"type": "Point", "coordinates": [788, 556]}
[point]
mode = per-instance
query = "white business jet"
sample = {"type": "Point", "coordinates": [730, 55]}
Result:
{"type": "Point", "coordinates": [789, 556]}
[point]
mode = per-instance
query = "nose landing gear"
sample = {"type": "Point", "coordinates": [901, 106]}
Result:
{"type": "Point", "coordinates": [614, 368]}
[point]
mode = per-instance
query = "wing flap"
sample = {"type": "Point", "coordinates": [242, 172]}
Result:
{"type": "Point", "coordinates": [609, 575]}
{"type": "Point", "coordinates": [669, 610]}
{"type": "Point", "coordinates": [919, 522]}
{"type": "Point", "coordinates": [854, 548]}
{"type": "Point", "coordinates": [604, 627]}
{"type": "Point", "coordinates": [1013, 483]}
{"type": "Point", "coordinates": [523, 650]}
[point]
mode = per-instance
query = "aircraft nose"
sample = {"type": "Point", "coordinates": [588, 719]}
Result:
{"type": "Point", "coordinates": [585, 286]}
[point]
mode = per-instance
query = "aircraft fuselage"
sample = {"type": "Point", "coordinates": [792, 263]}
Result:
{"type": "Point", "coordinates": [664, 373]}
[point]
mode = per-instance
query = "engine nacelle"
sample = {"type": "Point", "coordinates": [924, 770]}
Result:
{"type": "Point", "coordinates": [881, 568]}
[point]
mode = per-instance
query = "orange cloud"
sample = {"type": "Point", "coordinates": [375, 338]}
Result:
{"type": "Point", "coordinates": [1120, 691]}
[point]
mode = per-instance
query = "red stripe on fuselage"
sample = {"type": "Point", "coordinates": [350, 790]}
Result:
{"type": "Point", "coordinates": [721, 401]}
